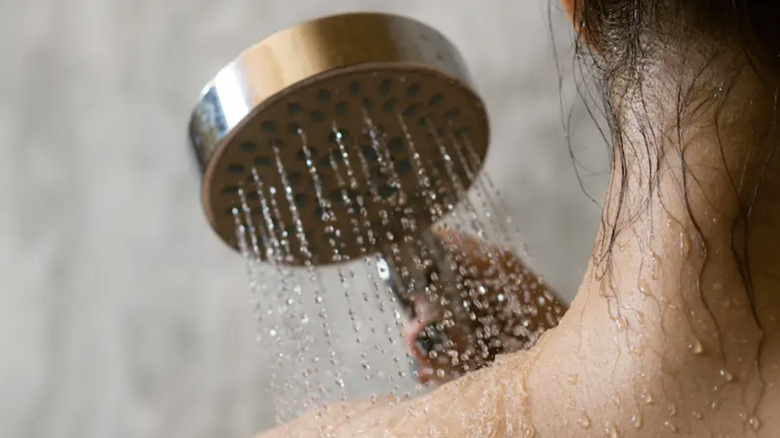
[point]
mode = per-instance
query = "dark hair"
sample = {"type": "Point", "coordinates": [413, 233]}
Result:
{"type": "Point", "coordinates": [624, 42]}
{"type": "Point", "coordinates": [626, 31]}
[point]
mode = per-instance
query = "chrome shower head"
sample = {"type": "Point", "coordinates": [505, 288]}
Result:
{"type": "Point", "coordinates": [347, 125]}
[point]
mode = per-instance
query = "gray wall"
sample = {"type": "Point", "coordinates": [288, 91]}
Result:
{"type": "Point", "coordinates": [121, 314]}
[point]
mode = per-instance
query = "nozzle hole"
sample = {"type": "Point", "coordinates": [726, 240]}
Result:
{"type": "Point", "coordinates": [396, 144]}
{"type": "Point", "coordinates": [236, 169]}
{"type": "Point", "coordinates": [389, 105]}
{"type": "Point", "coordinates": [269, 127]}
{"type": "Point", "coordinates": [264, 161]}
{"type": "Point", "coordinates": [404, 167]}
{"type": "Point", "coordinates": [323, 95]}
{"type": "Point", "coordinates": [413, 90]}
{"type": "Point", "coordinates": [335, 196]}
{"type": "Point", "coordinates": [387, 191]}
{"type": "Point", "coordinates": [294, 109]}
{"type": "Point", "coordinates": [295, 179]}
{"type": "Point", "coordinates": [385, 86]}
{"type": "Point", "coordinates": [370, 154]}
{"type": "Point", "coordinates": [452, 114]}
{"type": "Point", "coordinates": [248, 146]}
{"type": "Point", "coordinates": [436, 99]}
{"type": "Point", "coordinates": [277, 143]}
{"type": "Point", "coordinates": [301, 200]}
{"type": "Point", "coordinates": [294, 129]}
{"type": "Point", "coordinates": [341, 108]}
{"type": "Point", "coordinates": [317, 116]}
{"type": "Point", "coordinates": [355, 87]}
{"type": "Point", "coordinates": [410, 110]}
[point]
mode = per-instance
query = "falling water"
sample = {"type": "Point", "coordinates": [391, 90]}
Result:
{"type": "Point", "coordinates": [324, 346]}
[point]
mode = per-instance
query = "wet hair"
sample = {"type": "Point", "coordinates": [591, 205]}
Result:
{"type": "Point", "coordinates": [624, 44]}
{"type": "Point", "coordinates": [627, 32]}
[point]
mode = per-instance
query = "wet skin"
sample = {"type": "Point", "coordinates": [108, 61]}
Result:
{"type": "Point", "coordinates": [665, 336]}
{"type": "Point", "coordinates": [520, 306]}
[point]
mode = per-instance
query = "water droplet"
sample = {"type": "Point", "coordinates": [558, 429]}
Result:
{"type": "Point", "coordinates": [656, 265]}
{"type": "Point", "coordinates": [620, 323]}
{"type": "Point", "coordinates": [696, 415]}
{"type": "Point", "coordinates": [647, 397]}
{"type": "Point", "coordinates": [644, 288]}
{"type": "Point", "coordinates": [584, 421]}
{"type": "Point", "coordinates": [440, 373]}
{"type": "Point", "coordinates": [611, 430]}
{"type": "Point", "coordinates": [573, 379]}
{"type": "Point", "coordinates": [755, 423]}
{"type": "Point", "coordinates": [272, 332]}
{"type": "Point", "coordinates": [672, 409]}
{"type": "Point", "coordinates": [696, 347]}
{"type": "Point", "coordinates": [671, 425]}
{"type": "Point", "coordinates": [726, 374]}
{"type": "Point", "coordinates": [636, 420]}
{"type": "Point", "coordinates": [714, 405]}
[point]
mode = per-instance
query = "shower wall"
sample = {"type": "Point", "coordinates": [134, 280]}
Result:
{"type": "Point", "coordinates": [122, 315]}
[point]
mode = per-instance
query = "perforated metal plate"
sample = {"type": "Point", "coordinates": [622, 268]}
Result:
{"type": "Point", "coordinates": [359, 118]}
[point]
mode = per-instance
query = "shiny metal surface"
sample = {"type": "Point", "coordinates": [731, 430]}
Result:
{"type": "Point", "coordinates": [316, 80]}
{"type": "Point", "coordinates": [293, 55]}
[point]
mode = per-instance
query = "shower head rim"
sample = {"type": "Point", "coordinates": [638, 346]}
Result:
{"type": "Point", "coordinates": [274, 64]}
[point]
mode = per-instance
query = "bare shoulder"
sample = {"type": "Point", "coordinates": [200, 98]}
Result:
{"type": "Point", "coordinates": [487, 402]}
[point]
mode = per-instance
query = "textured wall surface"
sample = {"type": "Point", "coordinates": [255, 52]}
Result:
{"type": "Point", "coordinates": [121, 314]}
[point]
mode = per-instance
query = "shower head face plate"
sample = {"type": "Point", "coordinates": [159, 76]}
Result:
{"type": "Point", "coordinates": [360, 135]}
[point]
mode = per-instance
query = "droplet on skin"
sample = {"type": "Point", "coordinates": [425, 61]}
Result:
{"type": "Point", "coordinates": [584, 421]}
{"type": "Point", "coordinates": [696, 415]}
{"type": "Point", "coordinates": [714, 405]}
{"type": "Point", "coordinates": [755, 423]}
{"type": "Point", "coordinates": [644, 288]}
{"type": "Point", "coordinates": [636, 420]}
{"type": "Point", "coordinates": [620, 323]}
{"type": "Point", "coordinates": [647, 397]}
{"type": "Point", "coordinates": [670, 425]}
{"type": "Point", "coordinates": [611, 430]}
{"type": "Point", "coordinates": [573, 379]}
{"type": "Point", "coordinates": [656, 265]}
{"type": "Point", "coordinates": [696, 347]}
{"type": "Point", "coordinates": [726, 375]}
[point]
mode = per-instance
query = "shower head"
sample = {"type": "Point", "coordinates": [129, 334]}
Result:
{"type": "Point", "coordinates": [338, 137]}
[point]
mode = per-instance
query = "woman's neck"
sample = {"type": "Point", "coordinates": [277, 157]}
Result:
{"type": "Point", "coordinates": [678, 318]}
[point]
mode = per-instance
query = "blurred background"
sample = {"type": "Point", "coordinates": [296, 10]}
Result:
{"type": "Point", "coordinates": [121, 313]}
